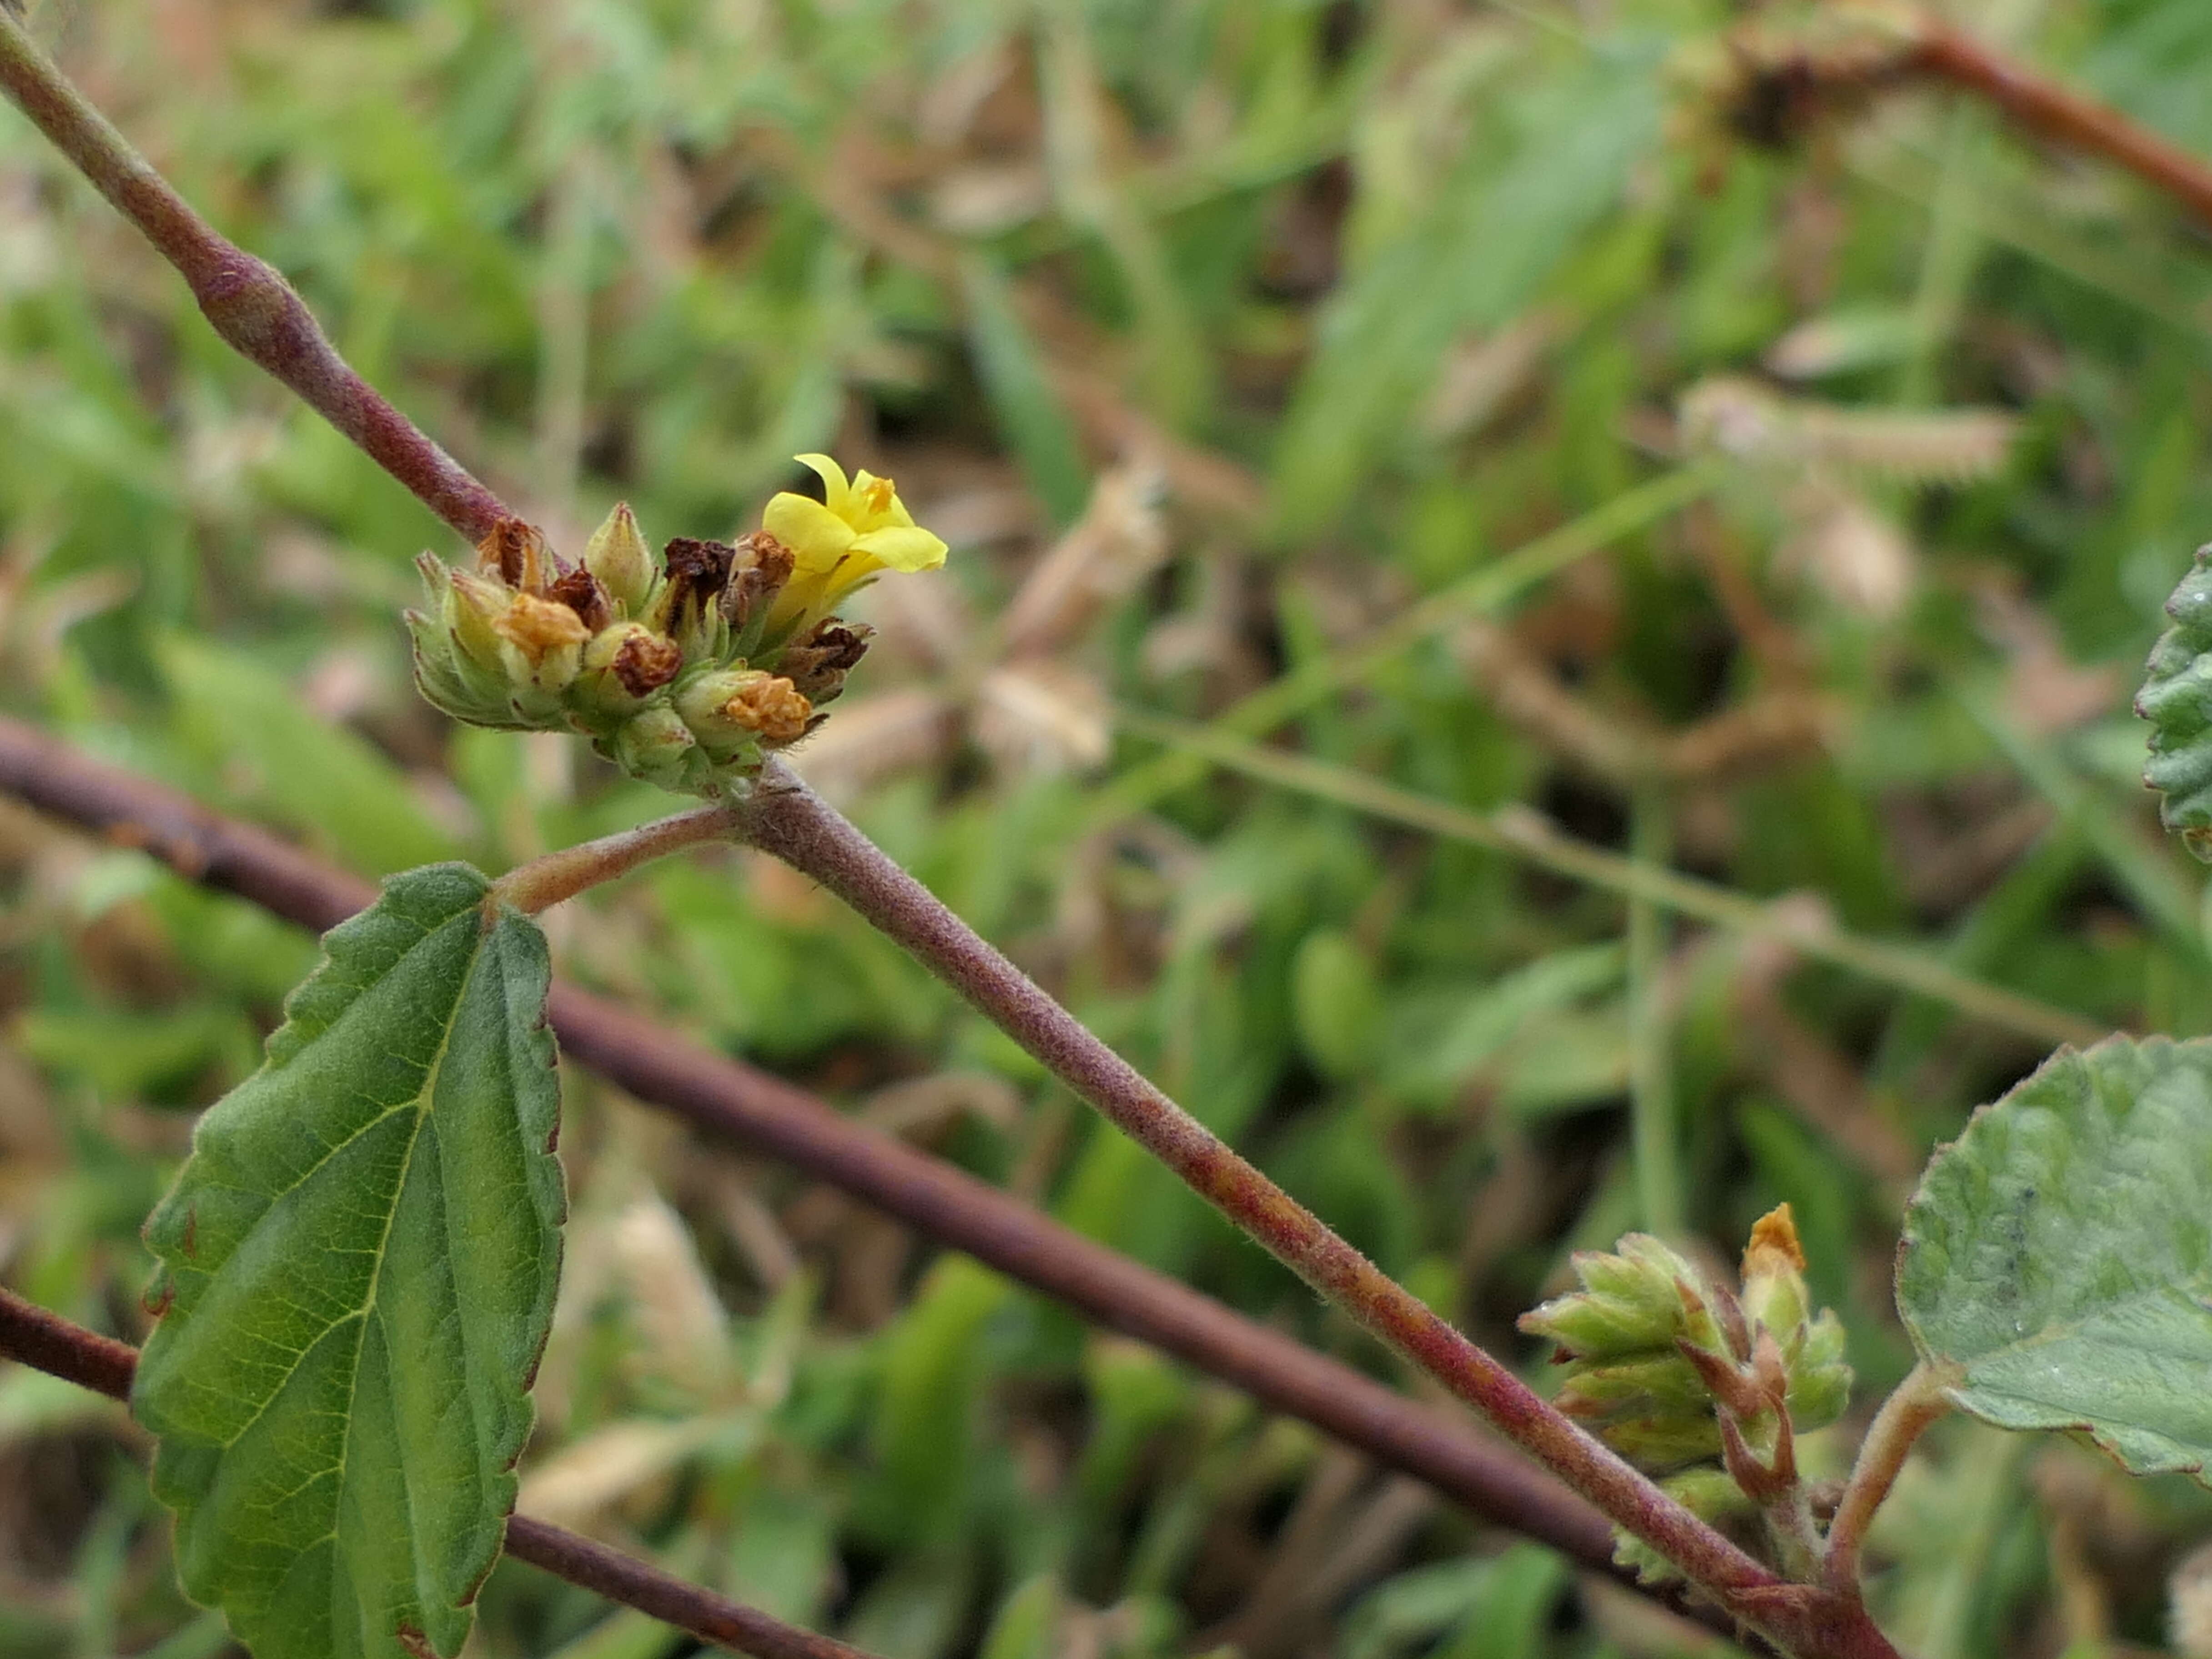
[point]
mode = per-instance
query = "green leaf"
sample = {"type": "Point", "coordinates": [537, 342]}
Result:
{"type": "Point", "coordinates": [1337, 1002]}
{"type": "Point", "coordinates": [2059, 1253]}
{"type": "Point", "coordinates": [358, 1264]}
{"type": "Point", "coordinates": [1489, 235]}
{"type": "Point", "coordinates": [1027, 1621]}
{"type": "Point", "coordinates": [1030, 417]}
{"type": "Point", "coordinates": [248, 727]}
{"type": "Point", "coordinates": [2176, 700]}
{"type": "Point", "coordinates": [933, 1368]}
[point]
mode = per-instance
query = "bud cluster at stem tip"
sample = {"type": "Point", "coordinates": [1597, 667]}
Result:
{"type": "Point", "coordinates": [685, 671]}
{"type": "Point", "coordinates": [1678, 1373]}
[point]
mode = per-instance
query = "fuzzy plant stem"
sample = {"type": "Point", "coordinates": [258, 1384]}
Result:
{"type": "Point", "coordinates": [1914, 1404]}
{"type": "Point", "coordinates": [251, 306]}
{"type": "Point", "coordinates": [733, 1104]}
{"type": "Point", "coordinates": [546, 881]}
{"type": "Point", "coordinates": [783, 818]}
{"type": "Point", "coordinates": [48, 1342]}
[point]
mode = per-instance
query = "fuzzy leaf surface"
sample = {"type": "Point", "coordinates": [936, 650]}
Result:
{"type": "Point", "coordinates": [358, 1262]}
{"type": "Point", "coordinates": [2060, 1253]}
{"type": "Point", "coordinates": [2176, 700]}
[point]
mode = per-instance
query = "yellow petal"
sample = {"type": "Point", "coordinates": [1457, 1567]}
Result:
{"type": "Point", "coordinates": [816, 536]}
{"type": "Point", "coordinates": [833, 487]}
{"type": "Point", "coordinates": [902, 547]}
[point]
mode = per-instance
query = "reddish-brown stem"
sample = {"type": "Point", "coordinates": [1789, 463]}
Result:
{"type": "Point", "coordinates": [2055, 112]}
{"type": "Point", "coordinates": [1915, 1403]}
{"type": "Point", "coordinates": [661, 1595]}
{"type": "Point", "coordinates": [48, 1342]}
{"type": "Point", "coordinates": [257, 312]}
{"type": "Point", "coordinates": [733, 1101]}
{"type": "Point", "coordinates": [250, 305]}
{"type": "Point", "coordinates": [784, 818]}
{"type": "Point", "coordinates": [546, 881]}
{"type": "Point", "coordinates": [737, 1103]}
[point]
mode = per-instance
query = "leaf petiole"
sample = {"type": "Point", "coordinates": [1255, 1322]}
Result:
{"type": "Point", "coordinates": [1913, 1406]}
{"type": "Point", "coordinates": [545, 882]}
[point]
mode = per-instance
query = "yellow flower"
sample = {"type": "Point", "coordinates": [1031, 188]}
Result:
{"type": "Point", "coordinates": [861, 528]}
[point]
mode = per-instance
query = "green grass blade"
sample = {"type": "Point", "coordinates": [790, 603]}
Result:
{"type": "Point", "coordinates": [1524, 834]}
{"type": "Point", "coordinates": [1477, 593]}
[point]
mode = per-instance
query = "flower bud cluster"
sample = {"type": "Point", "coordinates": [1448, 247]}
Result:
{"type": "Point", "coordinates": [686, 671]}
{"type": "Point", "coordinates": [1678, 1373]}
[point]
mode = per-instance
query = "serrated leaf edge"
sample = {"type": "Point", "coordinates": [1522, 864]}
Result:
{"type": "Point", "coordinates": [2060, 1421]}
{"type": "Point", "coordinates": [282, 1045]}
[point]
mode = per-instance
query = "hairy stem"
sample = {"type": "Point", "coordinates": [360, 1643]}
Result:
{"type": "Point", "coordinates": [784, 818]}
{"type": "Point", "coordinates": [250, 305]}
{"type": "Point", "coordinates": [48, 1342]}
{"type": "Point", "coordinates": [1913, 1405]}
{"type": "Point", "coordinates": [733, 1104]}
{"type": "Point", "coordinates": [546, 881]}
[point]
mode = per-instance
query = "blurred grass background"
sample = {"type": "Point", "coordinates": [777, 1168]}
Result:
{"type": "Point", "coordinates": [1214, 335]}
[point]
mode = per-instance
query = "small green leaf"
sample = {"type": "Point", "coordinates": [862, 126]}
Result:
{"type": "Point", "coordinates": [1036, 425]}
{"type": "Point", "coordinates": [1337, 1001]}
{"type": "Point", "coordinates": [2059, 1253]}
{"type": "Point", "coordinates": [934, 1368]}
{"type": "Point", "coordinates": [358, 1264]}
{"type": "Point", "coordinates": [257, 742]}
{"type": "Point", "coordinates": [2176, 700]}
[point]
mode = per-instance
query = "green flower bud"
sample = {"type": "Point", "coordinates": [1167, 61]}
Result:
{"type": "Point", "coordinates": [1630, 1302]}
{"type": "Point", "coordinates": [1708, 1493]}
{"type": "Point", "coordinates": [1622, 1336]}
{"type": "Point", "coordinates": [618, 556]}
{"type": "Point", "coordinates": [736, 712]}
{"type": "Point", "coordinates": [472, 608]}
{"type": "Point", "coordinates": [1664, 1383]}
{"type": "Point", "coordinates": [655, 746]}
{"type": "Point", "coordinates": [1820, 1381]}
{"type": "Point", "coordinates": [541, 646]}
{"type": "Point", "coordinates": [1659, 1442]}
{"type": "Point", "coordinates": [1774, 1293]}
{"type": "Point", "coordinates": [456, 662]}
{"type": "Point", "coordinates": [622, 665]}
{"type": "Point", "coordinates": [449, 681]}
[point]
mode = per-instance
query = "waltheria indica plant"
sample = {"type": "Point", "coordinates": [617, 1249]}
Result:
{"type": "Point", "coordinates": [359, 1261]}
{"type": "Point", "coordinates": [686, 671]}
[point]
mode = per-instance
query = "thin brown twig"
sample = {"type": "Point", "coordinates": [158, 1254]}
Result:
{"type": "Point", "coordinates": [46, 1341]}
{"type": "Point", "coordinates": [251, 306]}
{"type": "Point", "coordinates": [1859, 49]}
{"type": "Point", "coordinates": [255, 311]}
{"type": "Point", "coordinates": [2053, 111]}
{"type": "Point", "coordinates": [733, 1101]}
{"type": "Point", "coordinates": [545, 882]}
{"type": "Point", "coordinates": [784, 818]}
